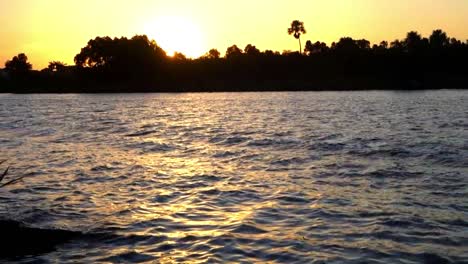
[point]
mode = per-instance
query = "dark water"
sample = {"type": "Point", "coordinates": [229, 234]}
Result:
{"type": "Point", "coordinates": [332, 177]}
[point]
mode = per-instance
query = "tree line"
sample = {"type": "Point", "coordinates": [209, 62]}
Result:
{"type": "Point", "coordinates": [138, 64]}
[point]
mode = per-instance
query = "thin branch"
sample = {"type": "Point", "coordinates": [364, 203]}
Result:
{"type": "Point", "coordinates": [4, 174]}
{"type": "Point", "coordinates": [12, 181]}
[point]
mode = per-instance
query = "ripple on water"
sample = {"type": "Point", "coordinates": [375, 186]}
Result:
{"type": "Point", "coordinates": [150, 147]}
{"type": "Point", "coordinates": [129, 257]}
{"type": "Point", "coordinates": [272, 142]}
{"type": "Point", "coordinates": [225, 154]}
{"type": "Point", "coordinates": [248, 229]}
{"type": "Point", "coordinates": [141, 133]}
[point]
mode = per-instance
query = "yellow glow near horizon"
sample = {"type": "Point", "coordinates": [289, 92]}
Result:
{"type": "Point", "coordinates": [48, 30]}
{"type": "Point", "coordinates": [177, 34]}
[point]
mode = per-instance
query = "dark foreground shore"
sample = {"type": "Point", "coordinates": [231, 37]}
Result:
{"type": "Point", "coordinates": [20, 240]}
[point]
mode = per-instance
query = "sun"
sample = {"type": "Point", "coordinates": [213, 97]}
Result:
{"type": "Point", "coordinates": [177, 34]}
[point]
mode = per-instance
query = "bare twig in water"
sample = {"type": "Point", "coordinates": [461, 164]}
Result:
{"type": "Point", "coordinates": [11, 181]}
{"type": "Point", "coordinates": [4, 174]}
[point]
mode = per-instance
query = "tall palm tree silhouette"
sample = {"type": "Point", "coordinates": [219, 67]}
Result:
{"type": "Point", "coordinates": [297, 29]}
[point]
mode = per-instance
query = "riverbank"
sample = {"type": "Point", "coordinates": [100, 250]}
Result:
{"type": "Point", "coordinates": [20, 240]}
{"type": "Point", "coordinates": [430, 81]}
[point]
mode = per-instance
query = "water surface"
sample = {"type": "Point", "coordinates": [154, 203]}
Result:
{"type": "Point", "coordinates": [244, 177]}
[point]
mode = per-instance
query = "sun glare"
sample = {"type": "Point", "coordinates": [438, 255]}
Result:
{"type": "Point", "coordinates": [177, 34]}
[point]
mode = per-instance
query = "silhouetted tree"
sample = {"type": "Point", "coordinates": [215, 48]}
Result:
{"type": "Point", "coordinates": [455, 43]}
{"type": "Point", "coordinates": [251, 50]}
{"type": "Point", "coordinates": [178, 56]}
{"type": "Point", "coordinates": [56, 66]}
{"type": "Point", "coordinates": [381, 48]}
{"type": "Point", "coordinates": [383, 44]}
{"type": "Point", "coordinates": [439, 39]}
{"type": "Point", "coordinates": [121, 54]}
{"type": "Point", "coordinates": [346, 45]}
{"type": "Point", "coordinates": [397, 45]}
{"type": "Point", "coordinates": [316, 48]}
{"type": "Point", "coordinates": [363, 44]}
{"type": "Point", "coordinates": [288, 52]}
{"type": "Point", "coordinates": [297, 29]}
{"type": "Point", "coordinates": [270, 53]}
{"type": "Point", "coordinates": [413, 41]}
{"type": "Point", "coordinates": [309, 48]}
{"type": "Point", "coordinates": [18, 64]}
{"type": "Point", "coordinates": [212, 54]}
{"type": "Point", "coordinates": [233, 52]}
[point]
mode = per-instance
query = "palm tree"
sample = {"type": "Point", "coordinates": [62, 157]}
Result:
{"type": "Point", "coordinates": [297, 29]}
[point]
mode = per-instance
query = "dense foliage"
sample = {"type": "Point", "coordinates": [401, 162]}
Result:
{"type": "Point", "coordinates": [139, 65]}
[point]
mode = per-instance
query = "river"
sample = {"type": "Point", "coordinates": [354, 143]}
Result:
{"type": "Point", "coordinates": [302, 177]}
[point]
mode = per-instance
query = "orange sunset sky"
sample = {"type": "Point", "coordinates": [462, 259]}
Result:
{"type": "Point", "coordinates": [48, 30]}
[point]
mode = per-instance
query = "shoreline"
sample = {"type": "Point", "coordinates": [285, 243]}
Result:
{"type": "Point", "coordinates": [456, 82]}
{"type": "Point", "coordinates": [249, 91]}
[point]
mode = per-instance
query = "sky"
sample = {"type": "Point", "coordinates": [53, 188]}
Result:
{"type": "Point", "coordinates": [56, 30]}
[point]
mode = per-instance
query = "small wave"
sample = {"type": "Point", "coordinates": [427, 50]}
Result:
{"type": "Point", "coordinates": [326, 146]}
{"type": "Point", "coordinates": [448, 158]}
{"type": "Point", "coordinates": [287, 162]}
{"type": "Point", "coordinates": [141, 133]}
{"type": "Point", "coordinates": [261, 142]}
{"type": "Point", "coordinates": [148, 147]}
{"type": "Point", "coordinates": [403, 223]}
{"type": "Point", "coordinates": [329, 137]}
{"type": "Point", "coordinates": [43, 132]}
{"type": "Point", "coordinates": [229, 141]}
{"type": "Point", "coordinates": [83, 178]}
{"type": "Point", "coordinates": [216, 139]}
{"type": "Point", "coordinates": [293, 199]}
{"type": "Point", "coordinates": [372, 214]}
{"type": "Point", "coordinates": [396, 152]}
{"type": "Point", "coordinates": [106, 167]}
{"type": "Point", "coordinates": [100, 129]}
{"type": "Point", "coordinates": [191, 185]}
{"type": "Point", "coordinates": [266, 142]}
{"type": "Point", "coordinates": [132, 257]}
{"type": "Point", "coordinates": [431, 258]}
{"type": "Point", "coordinates": [248, 229]}
{"type": "Point", "coordinates": [164, 198]}
{"type": "Point", "coordinates": [235, 140]}
{"type": "Point", "coordinates": [391, 173]}
{"type": "Point", "coordinates": [146, 126]}
{"type": "Point", "coordinates": [456, 222]}
{"type": "Point", "coordinates": [210, 192]}
{"type": "Point", "coordinates": [206, 177]}
{"type": "Point", "coordinates": [163, 248]}
{"type": "Point", "coordinates": [68, 138]}
{"type": "Point", "coordinates": [224, 154]}
{"type": "Point", "coordinates": [119, 130]}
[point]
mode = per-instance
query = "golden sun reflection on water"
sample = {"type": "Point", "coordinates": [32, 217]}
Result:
{"type": "Point", "coordinates": [196, 213]}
